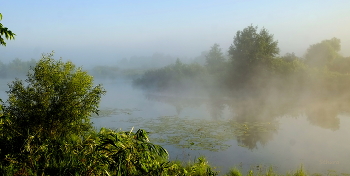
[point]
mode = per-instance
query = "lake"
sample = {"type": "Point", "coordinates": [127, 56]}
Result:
{"type": "Point", "coordinates": [231, 133]}
{"type": "Point", "coordinates": [247, 134]}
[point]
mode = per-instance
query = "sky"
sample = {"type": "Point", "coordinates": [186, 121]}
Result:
{"type": "Point", "coordinates": [106, 31]}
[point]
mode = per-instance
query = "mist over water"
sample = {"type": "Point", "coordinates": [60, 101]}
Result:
{"type": "Point", "coordinates": [280, 111]}
{"type": "Point", "coordinates": [246, 134]}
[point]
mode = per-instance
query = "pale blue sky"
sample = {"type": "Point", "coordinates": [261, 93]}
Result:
{"type": "Point", "coordinates": [108, 30]}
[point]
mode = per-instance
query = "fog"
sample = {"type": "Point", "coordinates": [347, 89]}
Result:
{"type": "Point", "coordinates": [178, 70]}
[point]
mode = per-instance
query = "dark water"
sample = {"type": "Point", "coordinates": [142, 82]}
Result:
{"type": "Point", "coordinates": [316, 137]}
{"type": "Point", "coordinates": [231, 132]}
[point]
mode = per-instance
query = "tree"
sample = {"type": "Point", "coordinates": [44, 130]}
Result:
{"type": "Point", "coordinates": [251, 52]}
{"type": "Point", "coordinates": [55, 101]}
{"type": "Point", "coordinates": [9, 35]}
{"type": "Point", "coordinates": [215, 59]}
{"type": "Point", "coordinates": [290, 57]}
{"type": "Point", "coordinates": [250, 47]}
{"type": "Point", "coordinates": [323, 53]}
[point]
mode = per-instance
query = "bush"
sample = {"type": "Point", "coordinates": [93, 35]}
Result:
{"type": "Point", "coordinates": [43, 113]}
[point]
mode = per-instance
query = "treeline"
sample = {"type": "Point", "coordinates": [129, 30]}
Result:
{"type": "Point", "coordinates": [115, 72]}
{"type": "Point", "coordinates": [15, 68]}
{"type": "Point", "coordinates": [172, 77]}
{"type": "Point", "coordinates": [18, 68]}
{"type": "Point", "coordinates": [254, 68]}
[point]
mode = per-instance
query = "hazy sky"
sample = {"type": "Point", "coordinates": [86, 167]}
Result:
{"type": "Point", "coordinates": [108, 30]}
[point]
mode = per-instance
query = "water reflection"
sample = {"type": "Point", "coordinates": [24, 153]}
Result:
{"type": "Point", "coordinates": [255, 120]}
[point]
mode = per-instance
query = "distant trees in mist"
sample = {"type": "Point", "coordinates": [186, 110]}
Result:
{"type": "Point", "coordinates": [254, 65]}
{"type": "Point", "coordinates": [15, 68]}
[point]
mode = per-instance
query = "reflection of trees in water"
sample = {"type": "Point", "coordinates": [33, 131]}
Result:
{"type": "Point", "coordinates": [249, 134]}
{"type": "Point", "coordinates": [215, 107]}
{"type": "Point", "coordinates": [324, 114]}
{"type": "Point", "coordinates": [251, 124]}
{"type": "Point", "coordinates": [258, 122]}
{"type": "Point", "coordinates": [254, 119]}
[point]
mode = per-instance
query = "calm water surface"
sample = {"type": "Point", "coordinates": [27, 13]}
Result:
{"type": "Point", "coordinates": [319, 143]}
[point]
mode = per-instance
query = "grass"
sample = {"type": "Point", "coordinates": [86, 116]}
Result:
{"type": "Point", "coordinates": [269, 172]}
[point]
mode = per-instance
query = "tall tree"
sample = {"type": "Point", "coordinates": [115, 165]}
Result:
{"type": "Point", "coordinates": [5, 32]}
{"type": "Point", "coordinates": [253, 47]}
{"type": "Point", "coordinates": [251, 52]}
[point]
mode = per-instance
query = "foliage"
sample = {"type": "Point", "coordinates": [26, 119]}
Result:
{"type": "Point", "coordinates": [199, 167]}
{"type": "Point", "coordinates": [251, 48]}
{"type": "Point", "coordinates": [268, 172]}
{"type": "Point", "coordinates": [340, 64]}
{"type": "Point", "coordinates": [174, 76]}
{"type": "Point", "coordinates": [251, 53]}
{"type": "Point", "coordinates": [5, 32]}
{"type": "Point", "coordinates": [71, 156]}
{"type": "Point", "coordinates": [290, 57]}
{"type": "Point", "coordinates": [234, 172]}
{"type": "Point", "coordinates": [215, 59]}
{"type": "Point", "coordinates": [45, 130]}
{"type": "Point", "coordinates": [129, 153]}
{"type": "Point", "coordinates": [55, 102]}
{"type": "Point", "coordinates": [323, 53]}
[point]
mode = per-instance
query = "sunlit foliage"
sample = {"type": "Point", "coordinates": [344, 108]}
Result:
{"type": "Point", "coordinates": [5, 32]}
{"type": "Point", "coordinates": [56, 99]}
{"type": "Point", "coordinates": [129, 153]}
{"type": "Point", "coordinates": [51, 106]}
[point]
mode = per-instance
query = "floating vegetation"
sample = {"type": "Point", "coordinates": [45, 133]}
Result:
{"type": "Point", "coordinates": [200, 134]}
{"type": "Point", "coordinates": [113, 111]}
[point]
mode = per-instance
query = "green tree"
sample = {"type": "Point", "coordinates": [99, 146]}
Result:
{"type": "Point", "coordinates": [5, 32]}
{"type": "Point", "coordinates": [56, 100]}
{"type": "Point", "coordinates": [323, 53]}
{"type": "Point", "coordinates": [251, 52]}
{"type": "Point", "coordinates": [252, 47]}
{"type": "Point", "coordinates": [215, 59]}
